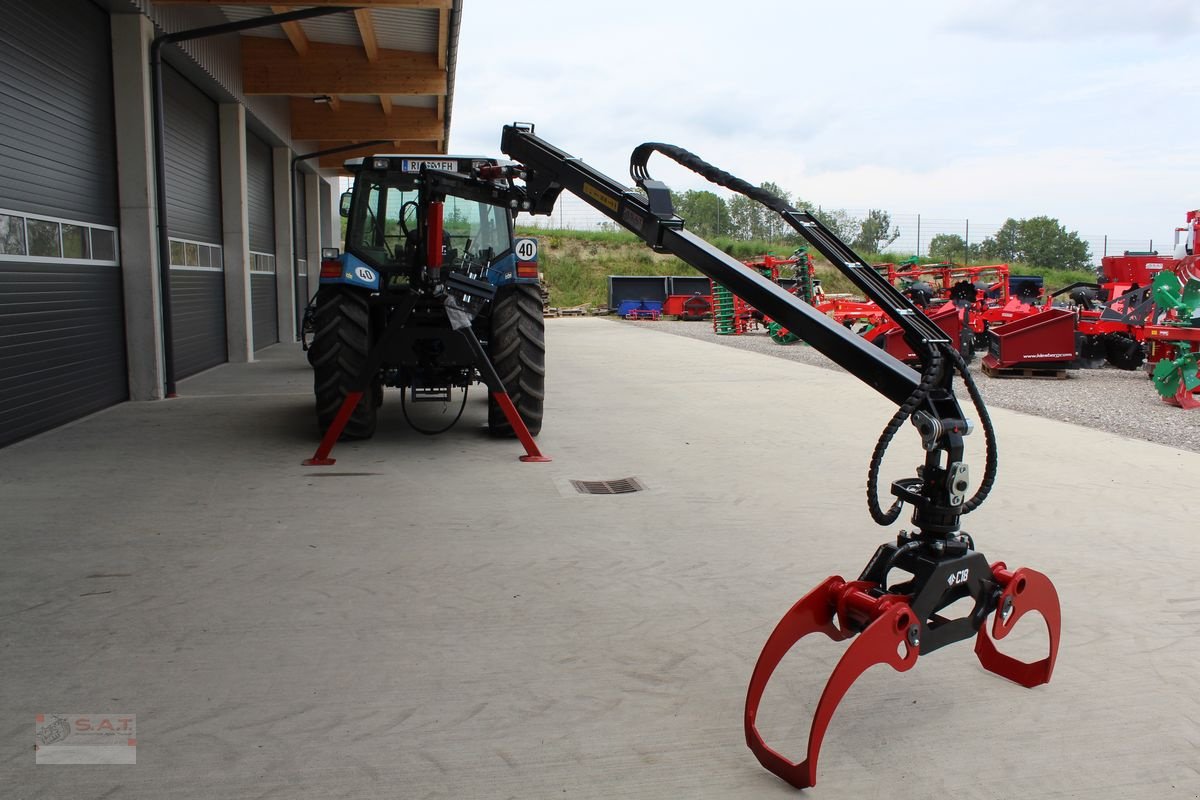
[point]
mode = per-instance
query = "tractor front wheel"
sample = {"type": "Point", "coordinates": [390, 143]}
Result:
{"type": "Point", "coordinates": [341, 342]}
{"type": "Point", "coordinates": [517, 347]}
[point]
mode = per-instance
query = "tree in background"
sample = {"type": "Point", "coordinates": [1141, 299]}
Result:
{"type": "Point", "coordinates": [1042, 241]}
{"type": "Point", "coordinates": [773, 227]}
{"type": "Point", "coordinates": [743, 217]}
{"type": "Point", "coordinates": [875, 233]}
{"type": "Point", "coordinates": [948, 247]}
{"type": "Point", "coordinates": [1003, 245]}
{"type": "Point", "coordinates": [841, 222]}
{"type": "Point", "coordinates": [751, 220]}
{"type": "Point", "coordinates": [704, 213]}
{"type": "Point", "coordinates": [1045, 242]}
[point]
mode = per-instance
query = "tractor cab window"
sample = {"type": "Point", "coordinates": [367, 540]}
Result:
{"type": "Point", "coordinates": [383, 223]}
{"type": "Point", "coordinates": [475, 230]}
{"type": "Point", "coordinates": [387, 217]}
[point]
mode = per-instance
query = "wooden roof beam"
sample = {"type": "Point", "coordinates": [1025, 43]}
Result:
{"type": "Point", "coordinates": [354, 122]}
{"type": "Point", "coordinates": [443, 36]}
{"type": "Point", "coordinates": [271, 66]}
{"type": "Point", "coordinates": [366, 31]}
{"type": "Point", "coordinates": [294, 32]}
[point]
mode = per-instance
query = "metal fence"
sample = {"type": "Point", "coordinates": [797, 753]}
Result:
{"type": "Point", "coordinates": [916, 230]}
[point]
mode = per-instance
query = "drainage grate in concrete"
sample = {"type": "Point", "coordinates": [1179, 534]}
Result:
{"type": "Point", "coordinates": [618, 486]}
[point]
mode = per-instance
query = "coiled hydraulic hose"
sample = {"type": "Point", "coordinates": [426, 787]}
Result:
{"type": "Point", "coordinates": [931, 373]}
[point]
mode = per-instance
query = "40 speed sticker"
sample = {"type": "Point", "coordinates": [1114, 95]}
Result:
{"type": "Point", "coordinates": [526, 249]}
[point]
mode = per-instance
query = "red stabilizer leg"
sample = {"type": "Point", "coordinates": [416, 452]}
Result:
{"type": "Point", "coordinates": [518, 425]}
{"type": "Point", "coordinates": [1025, 590]}
{"type": "Point", "coordinates": [879, 643]}
{"type": "Point", "coordinates": [321, 457]}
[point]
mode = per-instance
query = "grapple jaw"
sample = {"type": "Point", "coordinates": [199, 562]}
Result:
{"type": "Point", "coordinates": [1022, 591]}
{"type": "Point", "coordinates": [889, 631]}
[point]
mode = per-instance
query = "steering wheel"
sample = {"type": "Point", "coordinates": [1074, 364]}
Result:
{"type": "Point", "coordinates": [403, 215]}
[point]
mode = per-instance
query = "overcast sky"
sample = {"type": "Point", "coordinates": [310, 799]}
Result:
{"type": "Point", "coordinates": [1085, 111]}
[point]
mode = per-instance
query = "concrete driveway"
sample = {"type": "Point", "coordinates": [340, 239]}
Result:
{"type": "Point", "coordinates": [431, 618]}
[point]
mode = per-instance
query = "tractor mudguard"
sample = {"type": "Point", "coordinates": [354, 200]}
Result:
{"type": "Point", "coordinates": [520, 265]}
{"type": "Point", "coordinates": [354, 272]}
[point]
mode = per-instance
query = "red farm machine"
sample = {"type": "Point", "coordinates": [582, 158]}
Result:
{"type": "Point", "coordinates": [1174, 342]}
{"type": "Point", "coordinates": [732, 316]}
{"type": "Point", "coordinates": [1144, 310]}
{"type": "Point", "coordinates": [1124, 320]}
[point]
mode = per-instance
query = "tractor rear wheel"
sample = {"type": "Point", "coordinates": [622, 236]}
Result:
{"type": "Point", "coordinates": [341, 341]}
{"type": "Point", "coordinates": [517, 347]}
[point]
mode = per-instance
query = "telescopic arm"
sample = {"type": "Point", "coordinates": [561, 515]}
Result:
{"type": "Point", "coordinates": [650, 216]}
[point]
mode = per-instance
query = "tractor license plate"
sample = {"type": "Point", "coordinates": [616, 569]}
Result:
{"type": "Point", "coordinates": [417, 164]}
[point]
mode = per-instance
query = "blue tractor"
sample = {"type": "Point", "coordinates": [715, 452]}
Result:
{"type": "Point", "coordinates": [432, 293]}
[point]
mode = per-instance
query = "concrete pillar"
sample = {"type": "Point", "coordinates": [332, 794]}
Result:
{"type": "Point", "coordinates": [235, 233]}
{"type": "Point", "coordinates": [331, 220]}
{"type": "Point", "coordinates": [131, 35]}
{"type": "Point", "coordinates": [285, 248]}
{"type": "Point", "coordinates": [312, 227]}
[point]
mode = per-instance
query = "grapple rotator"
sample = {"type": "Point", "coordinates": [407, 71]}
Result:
{"type": "Point", "coordinates": [886, 622]}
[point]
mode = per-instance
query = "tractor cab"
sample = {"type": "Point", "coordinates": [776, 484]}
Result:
{"type": "Point", "coordinates": [431, 295]}
{"type": "Point", "coordinates": [385, 216]}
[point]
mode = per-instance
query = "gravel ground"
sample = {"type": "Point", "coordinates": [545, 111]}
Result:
{"type": "Point", "coordinates": [1108, 399]}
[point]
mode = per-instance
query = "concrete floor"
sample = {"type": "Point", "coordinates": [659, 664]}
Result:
{"type": "Point", "coordinates": [431, 618]}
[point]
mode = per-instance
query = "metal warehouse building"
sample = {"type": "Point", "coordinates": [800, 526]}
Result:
{"type": "Point", "coordinates": [83, 322]}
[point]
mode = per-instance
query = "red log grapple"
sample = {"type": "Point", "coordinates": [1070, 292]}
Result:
{"type": "Point", "coordinates": [890, 630]}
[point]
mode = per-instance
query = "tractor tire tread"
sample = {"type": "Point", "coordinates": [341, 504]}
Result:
{"type": "Point", "coordinates": [517, 346]}
{"type": "Point", "coordinates": [341, 343]}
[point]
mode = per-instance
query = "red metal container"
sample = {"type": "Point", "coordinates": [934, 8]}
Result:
{"type": "Point", "coordinates": [1039, 339]}
{"type": "Point", "coordinates": [947, 317]}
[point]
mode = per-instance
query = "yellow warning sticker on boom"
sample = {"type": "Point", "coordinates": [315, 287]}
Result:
{"type": "Point", "coordinates": [599, 196]}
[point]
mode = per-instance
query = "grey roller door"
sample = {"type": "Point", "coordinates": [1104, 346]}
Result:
{"type": "Point", "coordinates": [57, 141]}
{"type": "Point", "coordinates": [193, 151]}
{"type": "Point", "coordinates": [62, 332]}
{"type": "Point", "coordinates": [260, 195]}
{"type": "Point", "coordinates": [193, 157]}
{"type": "Point", "coordinates": [263, 309]}
{"type": "Point", "coordinates": [260, 200]}
{"type": "Point", "coordinates": [198, 320]}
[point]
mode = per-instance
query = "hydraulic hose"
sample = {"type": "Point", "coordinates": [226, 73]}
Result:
{"type": "Point", "coordinates": [931, 374]}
